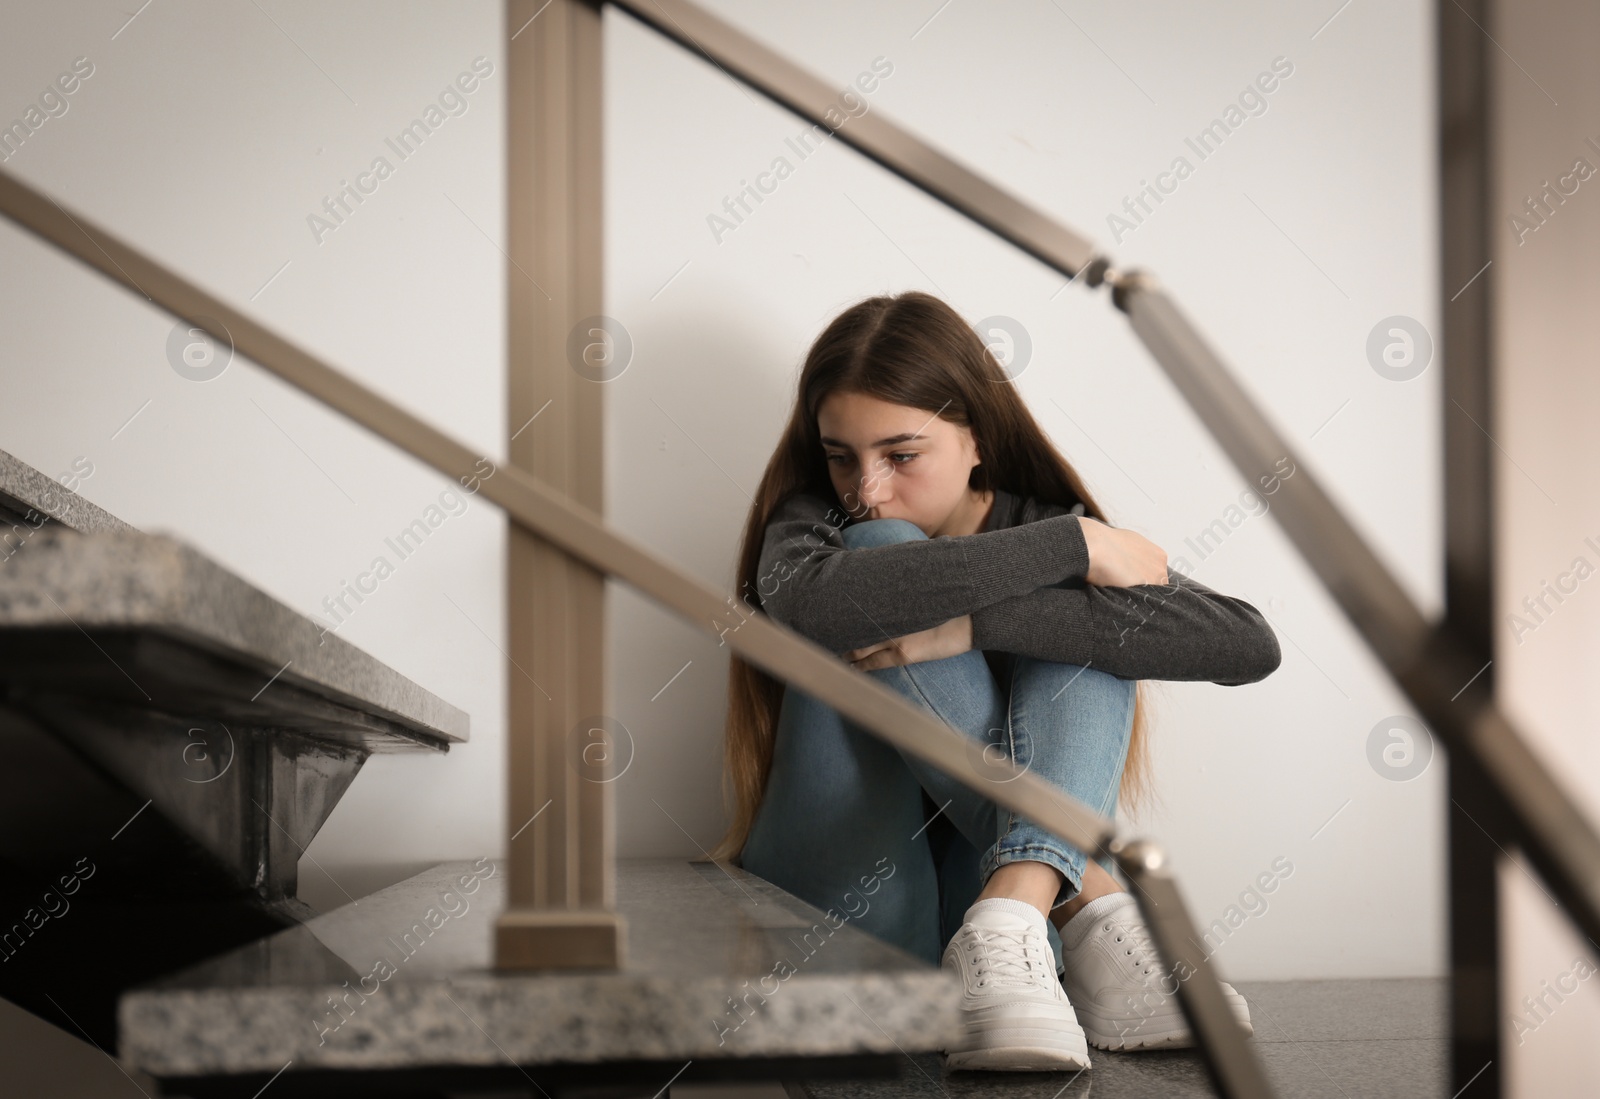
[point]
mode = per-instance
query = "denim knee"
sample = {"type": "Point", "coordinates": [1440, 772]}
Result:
{"type": "Point", "coordinates": [1073, 724]}
{"type": "Point", "coordinates": [880, 532]}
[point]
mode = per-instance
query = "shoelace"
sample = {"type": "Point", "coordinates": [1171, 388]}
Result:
{"type": "Point", "coordinates": [1135, 937]}
{"type": "Point", "coordinates": [1003, 956]}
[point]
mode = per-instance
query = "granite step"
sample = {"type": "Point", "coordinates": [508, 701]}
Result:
{"type": "Point", "coordinates": [171, 740]}
{"type": "Point", "coordinates": [68, 567]}
{"type": "Point", "coordinates": [725, 977]}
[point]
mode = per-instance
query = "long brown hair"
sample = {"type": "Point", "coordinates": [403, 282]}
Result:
{"type": "Point", "coordinates": [910, 349]}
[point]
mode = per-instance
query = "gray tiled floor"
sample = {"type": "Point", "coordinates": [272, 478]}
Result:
{"type": "Point", "coordinates": [1342, 1039]}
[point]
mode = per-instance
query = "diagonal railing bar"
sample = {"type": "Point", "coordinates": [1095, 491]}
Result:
{"type": "Point", "coordinates": [1424, 659]}
{"type": "Point", "coordinates": [1347, 566]}
{"type": "Point", "coordinates": [871, 134]}
{"type": "Point", "coordinates": [1230, 1060]}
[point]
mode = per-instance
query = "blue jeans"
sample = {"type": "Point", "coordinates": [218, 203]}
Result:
{"type": "Point", "coordinates": [852, 824]}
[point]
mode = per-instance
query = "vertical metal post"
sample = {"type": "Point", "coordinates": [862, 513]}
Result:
{"type": "Point", "coordinates": [560, 909]}
{"type": "Point", "coordinates": [1464, 97]}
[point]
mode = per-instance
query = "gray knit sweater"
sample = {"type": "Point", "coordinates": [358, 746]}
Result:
{"type": "Point", "coordinates": [1022, 579]}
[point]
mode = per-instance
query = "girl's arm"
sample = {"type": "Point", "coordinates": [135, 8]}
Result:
{"type": "Point", "coordinates": [1178, 630]}
{"type": "Point", "coordinates": [844, 598]}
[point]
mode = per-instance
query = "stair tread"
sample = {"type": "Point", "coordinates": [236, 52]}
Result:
{"type": "Point", "coordinates": [699, 935]}
{"type": "Point", "coordinates": [85, 569]}
{"type": "Point", "coordinates": [151, 584]}
{"type": "Point", "coordinates": [23, 488]}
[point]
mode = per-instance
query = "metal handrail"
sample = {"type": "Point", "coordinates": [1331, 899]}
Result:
{"type": "Point", "coordinates": [1425, 659]}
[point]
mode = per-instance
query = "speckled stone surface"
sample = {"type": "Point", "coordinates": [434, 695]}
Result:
{"type": "Point", "coordinates": [26, 485]}
{"type": "Point", "coordinates": [350, 990]}
{"type": "Point", "coordinates": [1338, 1039]}
{"type": "Point", "coordinates": [124, 579]}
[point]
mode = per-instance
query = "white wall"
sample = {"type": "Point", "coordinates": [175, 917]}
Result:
{"type": "Point", "coordinates": [209, 135]}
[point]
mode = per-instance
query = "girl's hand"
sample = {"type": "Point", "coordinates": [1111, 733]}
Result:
{"type": "Point", "coordinates": [1121, 558]}
{"type": "Point", "coordinates": [951, 638]}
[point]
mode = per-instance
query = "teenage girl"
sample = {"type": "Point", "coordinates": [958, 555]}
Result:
{"type": "Point", "coordinates": [915, 519]}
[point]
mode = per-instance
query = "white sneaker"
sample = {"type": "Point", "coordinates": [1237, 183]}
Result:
{"type": "Point", "coordinates": [1017, 1017]}
{"type": "Point", "coordinates": [1111, 971]}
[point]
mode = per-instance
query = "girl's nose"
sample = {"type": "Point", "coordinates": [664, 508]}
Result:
{"type": "Point", "coordinates": [873, 488]}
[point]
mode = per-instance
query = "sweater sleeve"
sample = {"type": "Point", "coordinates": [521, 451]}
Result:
{"type": "Point", "coordinates": [843, 598]}
{"type": "Point", "coordinates": [1181, 630]}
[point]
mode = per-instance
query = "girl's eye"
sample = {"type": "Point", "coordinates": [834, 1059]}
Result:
{"type": "Point", "coordinates": [908, 456]}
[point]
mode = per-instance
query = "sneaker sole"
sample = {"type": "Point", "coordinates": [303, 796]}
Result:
{"type": "Point", "coordinates": [1021, 1049]}
{"type": "Point", "coordinates": [1102, 1032]}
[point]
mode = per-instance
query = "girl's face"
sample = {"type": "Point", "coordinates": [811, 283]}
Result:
{"type": "Point", "coordinates": [891, 461]}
